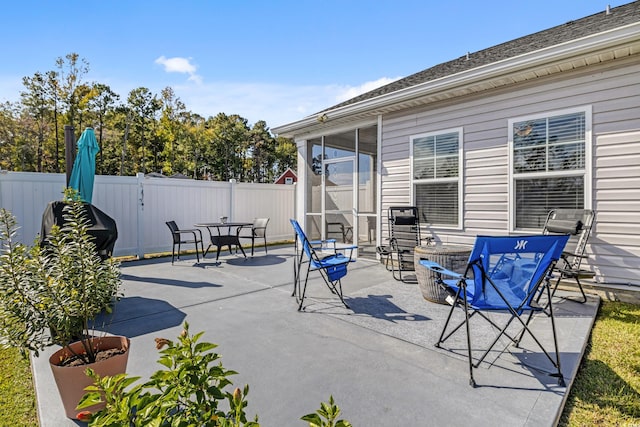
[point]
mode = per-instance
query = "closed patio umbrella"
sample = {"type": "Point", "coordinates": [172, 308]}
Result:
{"type": "Point", "coordinates": [84, 167]}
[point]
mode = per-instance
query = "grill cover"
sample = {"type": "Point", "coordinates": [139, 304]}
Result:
{"type": "Point", "coordinates": [103, 227]}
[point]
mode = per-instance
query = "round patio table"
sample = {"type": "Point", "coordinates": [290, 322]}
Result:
{"type": "Point", "coordinates": [224, 238]}
{"type": "Point", "coordinates": [451, 257]}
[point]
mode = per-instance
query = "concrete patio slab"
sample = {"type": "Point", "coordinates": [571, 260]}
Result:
{"type": "Point", "coordinates": [377, 359]}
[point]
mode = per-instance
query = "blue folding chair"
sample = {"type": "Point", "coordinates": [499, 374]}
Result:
{"type": "Point", "coordinates": [503, 274]}
{"type": "Point", "coordinates": [322, 256]}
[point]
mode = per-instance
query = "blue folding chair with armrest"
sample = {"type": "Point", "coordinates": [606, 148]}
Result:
{"type": "Point", "coordinates": [329, 261]}
{"type": "Point", "coordinates": [502, 274]}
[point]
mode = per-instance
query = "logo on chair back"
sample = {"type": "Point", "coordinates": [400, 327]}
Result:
{"type": "Point", "coordinates": [521, 244]}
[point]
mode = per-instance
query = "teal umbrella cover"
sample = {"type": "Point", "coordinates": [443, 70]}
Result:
{"type": "Point", "coordinates": [84, 167]}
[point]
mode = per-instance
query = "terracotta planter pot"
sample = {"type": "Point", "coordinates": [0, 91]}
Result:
{"type": "Point", "coordinates": [71, 380]}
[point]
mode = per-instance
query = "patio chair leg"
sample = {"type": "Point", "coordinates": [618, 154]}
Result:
{"type": "Point", "coordinates": [577, 279]}
{"type": "Point", "coordinates": [295, 278]}
{"type": "Point", "coordinates": [442, 339]}
{"type": "Point", "coordinates": [241, 250]}
{"type": "Point", "coordinates": [472, 381]}
{"type": "Point", "coordinates": [584, 296]}
{"type": "Point", "coordinates": [561, 382]}
{"type": "Point", "coordinates": [296, 267]}
{"type": "Point", "coordinates": [341, 296]}
{"type": "Point", "coordinates": [304, 290]}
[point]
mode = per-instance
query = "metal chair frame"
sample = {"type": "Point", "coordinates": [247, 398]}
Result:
{"type": "Point", "coordinates": [404, 236]}
{"type": "Point", "coordinates": [176, 234]}
{"type": "Point", "coordinates": [577, 223]}
{"type": "Point", "coordinates": [485, 287]}
{"type": "Point", "coordinates": [332, 267]}
{"type": "Point", "coordinates": [258, 230]}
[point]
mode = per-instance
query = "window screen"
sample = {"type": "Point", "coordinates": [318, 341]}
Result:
{"type": "Point", "coordinates": [436, 173]}
{"type": "Point", "coordinates": [548, 166]}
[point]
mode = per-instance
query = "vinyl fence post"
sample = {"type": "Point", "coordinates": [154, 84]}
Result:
{"type": "Point", "coordinates": [140, 217]}
{"type": "Point", "coordinates": [232, 201]}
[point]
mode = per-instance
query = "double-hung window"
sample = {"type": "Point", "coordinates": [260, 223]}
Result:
{"type": "Point", "coordinates": [550, 163]}
{"type": "Point", "coordinates": [436, 171]}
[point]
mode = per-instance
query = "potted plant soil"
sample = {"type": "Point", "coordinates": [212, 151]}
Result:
{"type": "Point", "coordinates": [51, 294]}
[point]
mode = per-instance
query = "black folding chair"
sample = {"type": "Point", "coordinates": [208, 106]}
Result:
{"type": "Point", "coordinates": [404, 236]}
{"type": "Point", "coordinates": [577, 223]}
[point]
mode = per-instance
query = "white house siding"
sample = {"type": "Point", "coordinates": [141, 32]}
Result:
{"type": "Point", "coordinates": [613, 93]}
{"type": "Point", "coordinates": [615, 246]}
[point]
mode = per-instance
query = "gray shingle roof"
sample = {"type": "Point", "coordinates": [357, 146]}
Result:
{"type": "Point", "coordinates": [572, 30]}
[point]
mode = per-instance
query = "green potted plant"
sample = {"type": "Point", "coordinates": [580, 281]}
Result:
{"type": "Point", "coordinates": [50, 294]}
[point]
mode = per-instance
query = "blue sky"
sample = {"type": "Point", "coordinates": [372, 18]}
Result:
{"type": "Point", "coordinates": [277, 60]}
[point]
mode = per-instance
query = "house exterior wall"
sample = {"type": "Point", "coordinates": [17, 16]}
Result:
{"type": "Point", "coordinates": [612, 92]}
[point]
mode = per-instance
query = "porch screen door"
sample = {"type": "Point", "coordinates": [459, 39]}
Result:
{"type": "Point", "coordinates": [338, 181]}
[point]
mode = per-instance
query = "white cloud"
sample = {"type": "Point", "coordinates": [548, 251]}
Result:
{"type": "Point", "coordinates": [277, 104]}
{"type": "Point", "coordinates": [180, 65]}
{"type": "Point", "coordinates": [353, 91]}
{"type": "Point", "coordinates": [274, 103]}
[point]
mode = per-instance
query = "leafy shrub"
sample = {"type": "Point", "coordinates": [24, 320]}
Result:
{"type": "Point", "coordinates": [51, 293]}
{"type": "Point", "coordinates": [326, 416]}
{"type": "Point", "coordinates": [187, 392]}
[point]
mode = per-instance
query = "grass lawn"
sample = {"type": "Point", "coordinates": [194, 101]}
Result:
{"type": "Point", "coordinates": [17, 397]}
{"type": "Point", "coordinates": [606, 391]}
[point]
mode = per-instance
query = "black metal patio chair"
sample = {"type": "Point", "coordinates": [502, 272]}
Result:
{"type": "Point", "coordinates": [180, 236]}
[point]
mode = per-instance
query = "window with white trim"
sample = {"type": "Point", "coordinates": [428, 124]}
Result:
{"type": "Point", "coordinates": [549, 159]}
{"type": "Point", "coordinates": [436, 168]}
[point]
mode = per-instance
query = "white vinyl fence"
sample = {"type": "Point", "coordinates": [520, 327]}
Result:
{"type": "Point", "coordinates": [141, 206]}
